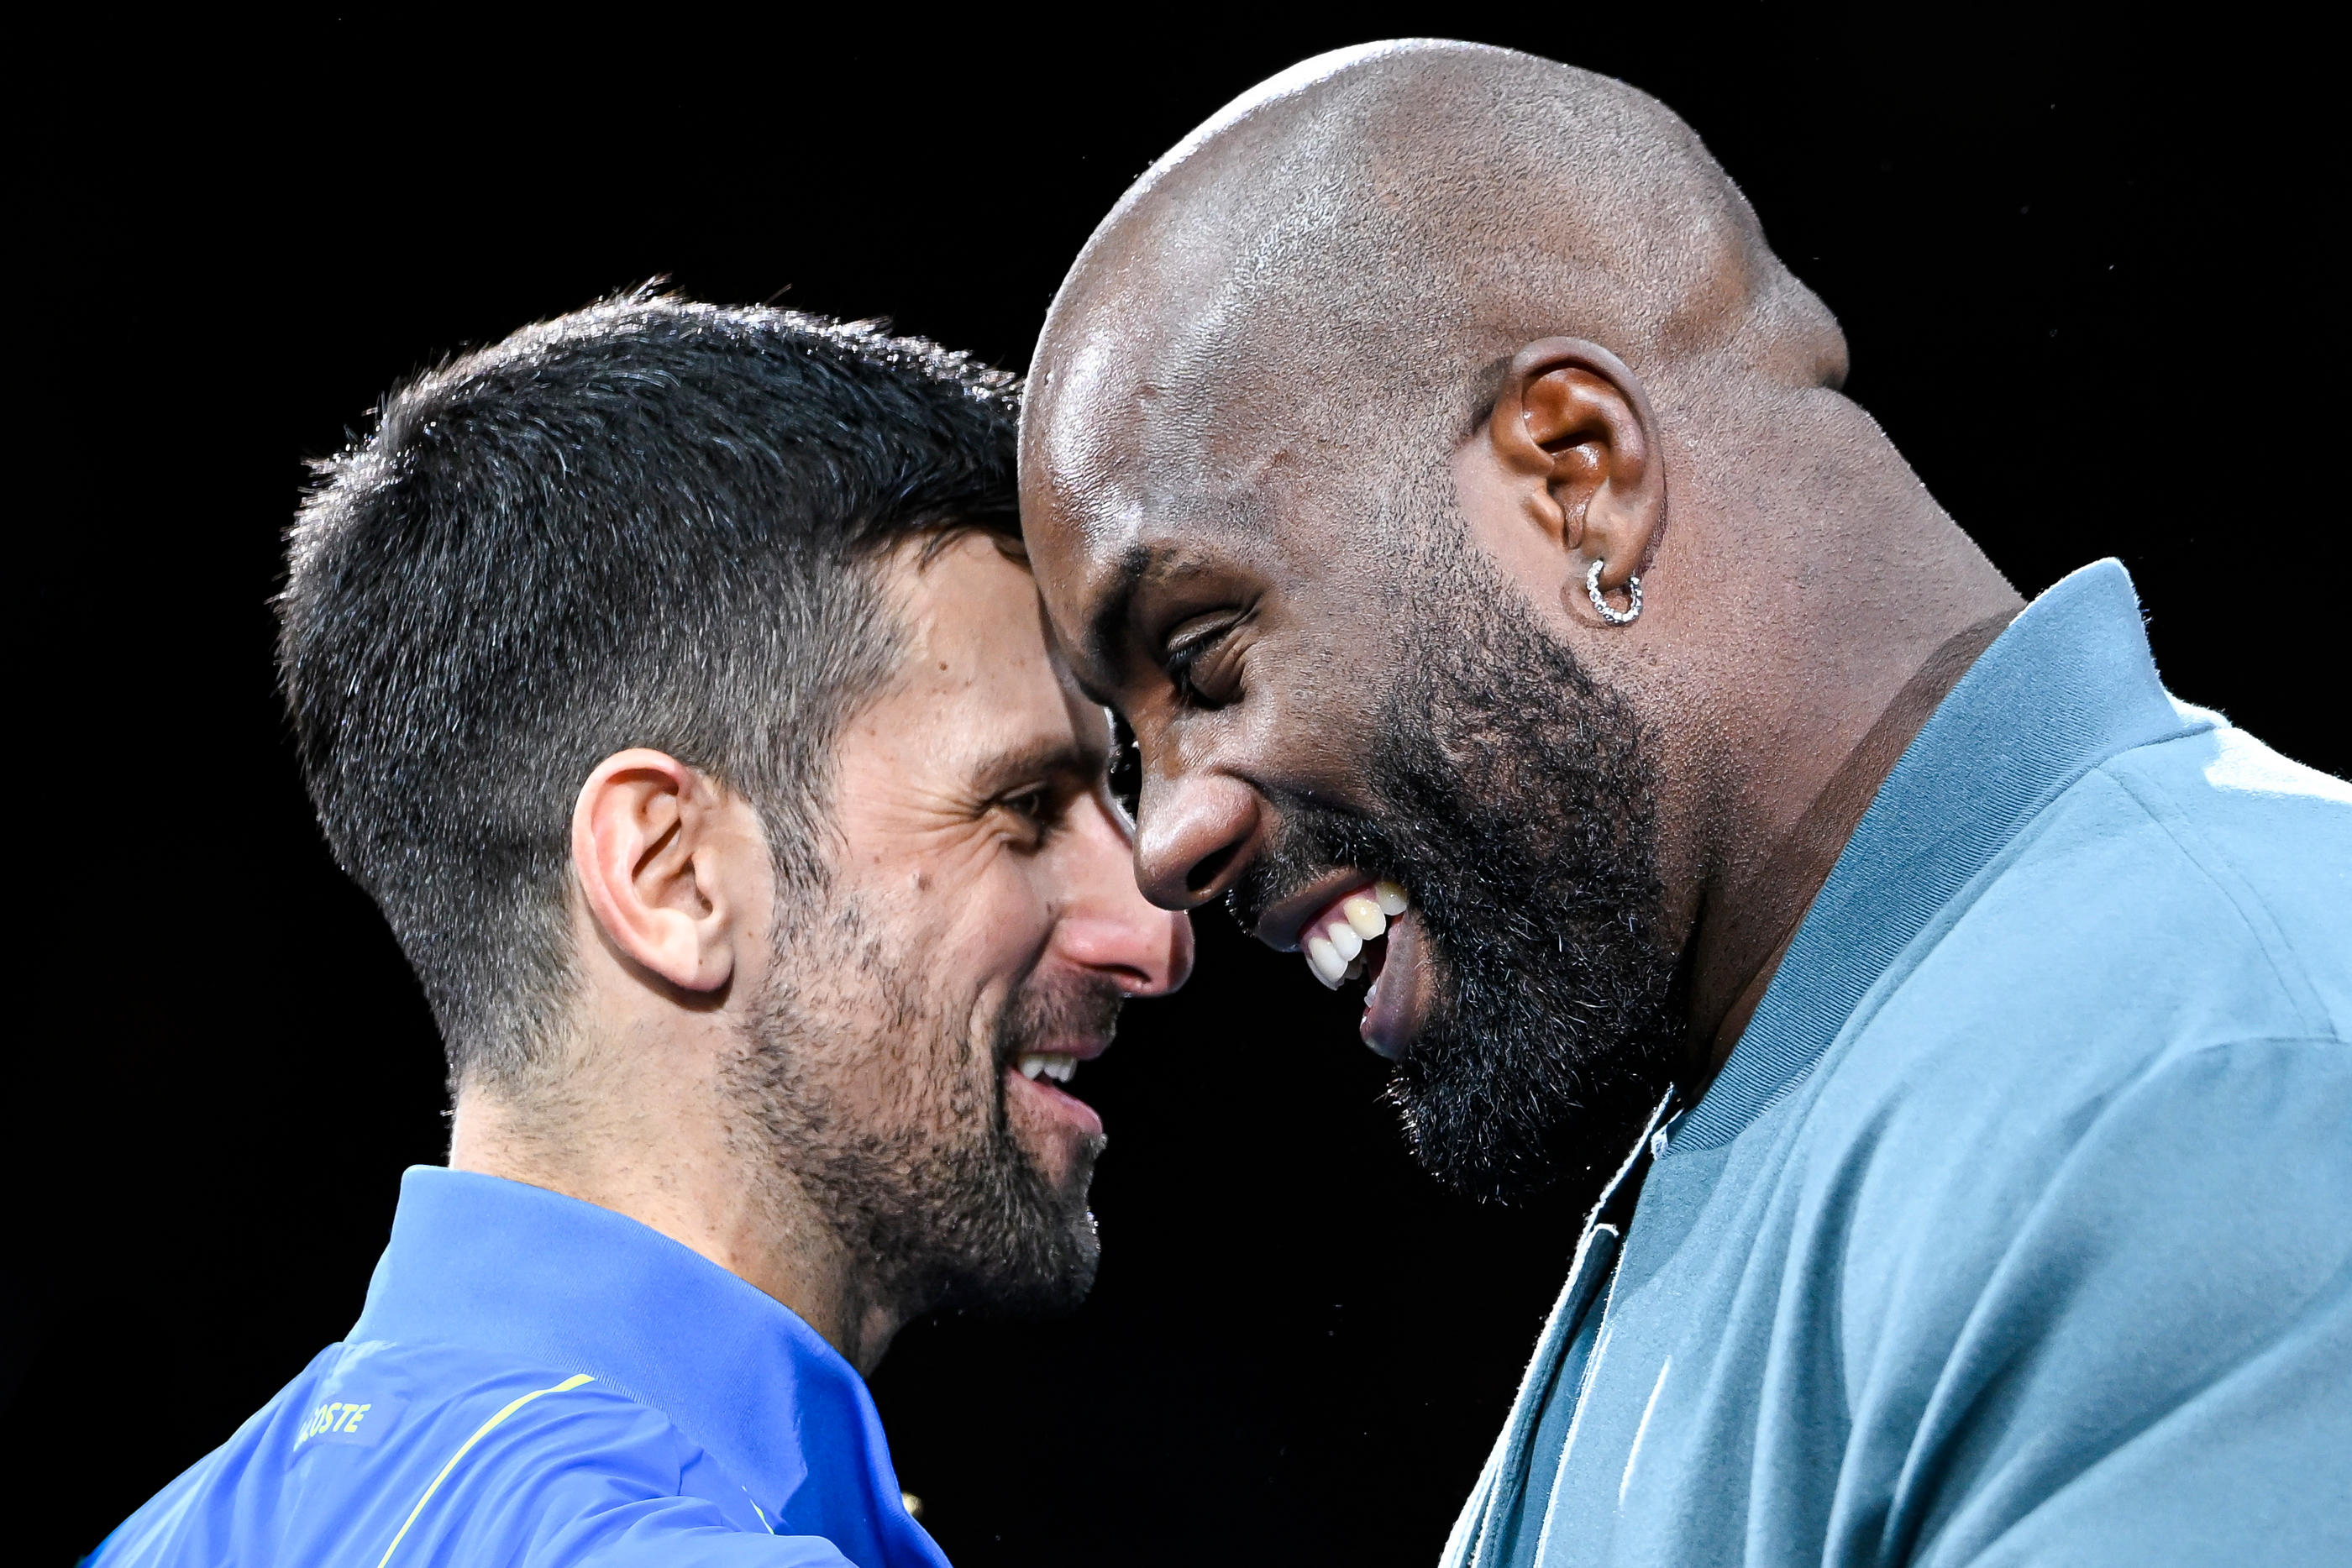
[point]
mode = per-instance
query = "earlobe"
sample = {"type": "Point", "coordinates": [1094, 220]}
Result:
{"type": "Point", "coordinates": [1571, 424]}
{"type": "Point", "coordinates": [645, 854]}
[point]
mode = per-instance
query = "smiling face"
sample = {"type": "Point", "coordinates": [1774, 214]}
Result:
{"type": "Point", "coordinates": [908, 1056]}
{"type": "Point", "coordinates": [1358, 733]}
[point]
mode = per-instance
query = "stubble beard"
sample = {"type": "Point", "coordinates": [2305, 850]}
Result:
{"type": "Point", "coordinates": [925, 1183]}
{"type": "Point", "coordinates": [1517, 803]}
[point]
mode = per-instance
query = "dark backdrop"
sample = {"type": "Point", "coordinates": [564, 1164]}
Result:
{"type": "Point", "coordinates": [2079, 262]}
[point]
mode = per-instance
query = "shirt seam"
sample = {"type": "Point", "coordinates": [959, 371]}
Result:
{"type": "Point", "coordinates": [2296, 988]}
{"type": "Point", "coordinates": [575, 1381]}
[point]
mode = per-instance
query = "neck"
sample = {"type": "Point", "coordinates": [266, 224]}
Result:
{"type": "Point", "coordinates": [1796, 702]}
{"type": "Point", "coordinates": [647, 1156]}
{"type": "Point", "coordinates": [1752, 925]}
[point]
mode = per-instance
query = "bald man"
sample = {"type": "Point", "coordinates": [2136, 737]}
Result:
{"type": "Point", "coordinates": [1434, 464]}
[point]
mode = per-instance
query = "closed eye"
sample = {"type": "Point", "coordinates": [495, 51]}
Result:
{"type": "Point", "coordinates": [1037, 805]}
{"type": "Point", "coordinates": [1202, 660]}
{"type": "Point", "coordinates": [1029, 792]}
{"type": "Point", "coordinates": [1188, 690]}
{"type": "Point", "coordinates": [1033, 814]}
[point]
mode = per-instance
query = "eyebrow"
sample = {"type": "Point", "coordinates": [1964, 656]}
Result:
{"type": "Point", "coordinates": [1058, 755]}
{"type": "Point", "coordinates": [1105, 629]}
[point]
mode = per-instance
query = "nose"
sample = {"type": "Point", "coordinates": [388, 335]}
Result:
{"type": "Point", "coordinates": [1109, 926]}
{"type": "Point", "coordinates": [1193, 836]}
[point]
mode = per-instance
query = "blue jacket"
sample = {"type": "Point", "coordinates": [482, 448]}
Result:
{"type": "Point", "coordinates": [2017, 1228]}
{"type": "Point", "coordinates": [537, 1380]}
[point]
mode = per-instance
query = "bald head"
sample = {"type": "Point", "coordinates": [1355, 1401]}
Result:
{"type": "Point", "coordinates": [1429, 207]}
{"type": "Point", "coordinates": [1432, 462]}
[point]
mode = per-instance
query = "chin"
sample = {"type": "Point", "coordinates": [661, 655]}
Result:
{"type": "Point", "coordinates": [1051, 1277]}
{"type": "Point", "coordinates": [1505, 1116]}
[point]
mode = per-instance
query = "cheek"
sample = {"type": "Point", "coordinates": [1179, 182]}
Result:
{"type": "Point", "coordinates": [993, 925]}
{"type": "Point", "coordinates": [983, 939]}
{"type": "Point", "coordinates": [1312, 717]}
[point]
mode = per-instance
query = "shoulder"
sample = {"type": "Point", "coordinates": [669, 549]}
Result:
{"type": "Point", "coordinates": [2181, 896]}
{"type": "Point", "coordinates": [2077, 1163]}
{"type": "Point", "coordinates": [446, 1453]}
{"type": "Point", "coordinates": [2271, 840]}
{"type": "Point", "coordinates": [2207, 858]}
{"type": "Point", "coordinates": [498, 1461]}
{"type": "Point", "coordinates": [2150, 981]}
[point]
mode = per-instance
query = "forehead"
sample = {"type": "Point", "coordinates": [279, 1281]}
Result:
{"type": "Point", "coordinates": [1145, 462]}
{"type": "Point", "coordinates": [970, 613]}
{"type": "Point", "coordinates": [979, 673]}
{"type": "Point", "coordinates": [1160, 370]}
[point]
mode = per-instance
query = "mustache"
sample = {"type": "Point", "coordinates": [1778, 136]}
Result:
{"type": "Point", "coordinates": [1085, 1008]}
{"type": "Point", "coordinates": [1309, 842]}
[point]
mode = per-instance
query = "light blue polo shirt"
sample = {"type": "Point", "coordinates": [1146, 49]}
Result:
{"type": "Point", "coordinates": [2017, 1228]}
{"type": "Point", "coordinates": [537, 1380]}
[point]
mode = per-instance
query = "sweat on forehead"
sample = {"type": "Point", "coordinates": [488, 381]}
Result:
{"type": "Point", "coordinates": [1360, 237]}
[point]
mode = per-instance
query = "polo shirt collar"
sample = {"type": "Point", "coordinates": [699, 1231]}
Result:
{"type": "Point", "coordinates": [2068, 685]}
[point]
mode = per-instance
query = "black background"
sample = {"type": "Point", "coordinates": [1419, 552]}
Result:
{"type": "Point", "coordinates": [2086, 267]}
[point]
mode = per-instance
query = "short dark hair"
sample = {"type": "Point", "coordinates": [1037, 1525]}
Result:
{"type": "Point", "coordinates": [652, 523]}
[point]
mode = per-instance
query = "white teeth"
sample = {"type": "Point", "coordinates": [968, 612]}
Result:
{"type": "Point", "coordinates": [1334, 952]}
{"type": "Point", "coordinates": [1060, 1069]}
{"type": "Point", "coordinates": [1031, 1066]}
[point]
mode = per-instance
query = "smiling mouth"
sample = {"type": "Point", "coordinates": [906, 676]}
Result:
{"type": "Point", "coordinates": [1348, 939]}
{"type": "Point", "coordinates": [1047, 1074]}
{"type": "Point", "coordinates": [1050, 1065]}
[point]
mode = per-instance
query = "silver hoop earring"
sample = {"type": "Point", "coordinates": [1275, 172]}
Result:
{"type": "Point", "coordinates": [1615, 617]}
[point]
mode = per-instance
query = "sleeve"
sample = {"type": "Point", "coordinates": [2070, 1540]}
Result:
{"type": "Point", "coordinates": [2159, 1370]}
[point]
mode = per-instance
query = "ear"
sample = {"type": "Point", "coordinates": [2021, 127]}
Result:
{"type": "Point", "coordinates": [1572, 427]}
{"type": "Point", "coordinates": [654, 847]}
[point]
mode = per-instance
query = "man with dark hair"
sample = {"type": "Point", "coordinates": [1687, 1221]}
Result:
{"type": "Point", "coordinates": [672, 678]}
{"type": "Point", "coordinates": [1432, 460]}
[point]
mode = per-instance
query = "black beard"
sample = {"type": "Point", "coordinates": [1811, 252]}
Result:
{"type": "Point", "coordinates": [1515, 803]}
{"type": "Point", "coordinates": [942, 1206]}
